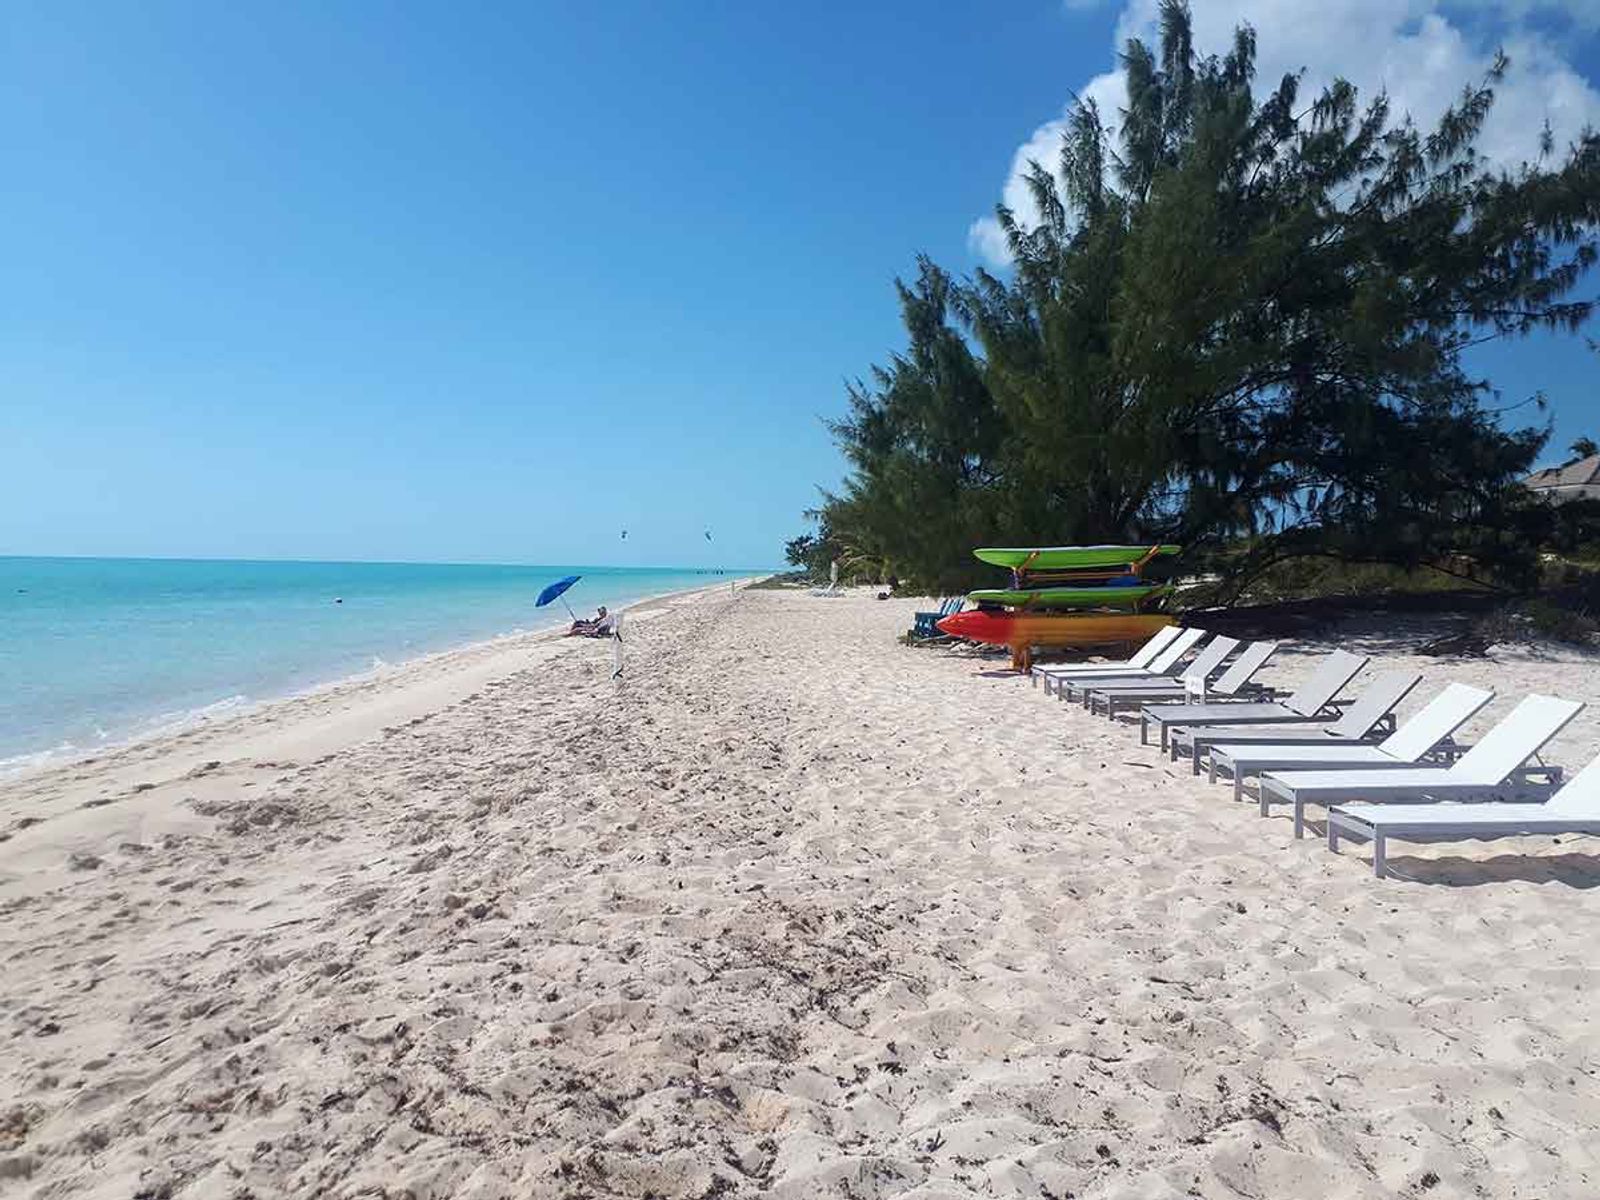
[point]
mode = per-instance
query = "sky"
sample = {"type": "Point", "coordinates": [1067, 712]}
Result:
{"type": "Point", "coordinates": [495, 283]}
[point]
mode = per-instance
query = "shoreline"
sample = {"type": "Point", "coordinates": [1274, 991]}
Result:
{"type": "Point", "coordinates": [23, 769]}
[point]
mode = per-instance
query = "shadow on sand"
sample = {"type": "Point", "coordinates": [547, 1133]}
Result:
{"type": "Point", "coordinates": [1570, 870]}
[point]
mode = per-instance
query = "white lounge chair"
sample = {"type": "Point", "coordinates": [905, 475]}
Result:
{"type": "Point", "coordinates": [1312, 698]}
{"type": "Point", "coordinates": [833, 588]}
{"type": "Point", "coordinates": [1574, 808]}
{"type": "Point", "coordinates": [1235, 681]}
{"type": "Point", "coordinates": [1492, 769]}
{"type": "Point", "coordinates": [1368, 718]}
{"type": "Point", "coordinates": [1165, 663]}
{"type": "Point", "coordinates": [1417, 738]}
{"type": "Point", "coordinates": [1207, 662]}
{"type": "Point", "coordinates": [1137, 661]}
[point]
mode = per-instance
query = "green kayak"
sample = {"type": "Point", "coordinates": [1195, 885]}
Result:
{"type": "Point", "coordinates": [1066, 558]}
{"type": "Point", "coordinates": [1067, 597]}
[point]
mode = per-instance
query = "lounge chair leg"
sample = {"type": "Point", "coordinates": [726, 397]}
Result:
{"type": "Point", "coordinates": [1166, 734]}
{"type": "Point", "coordinates": [1333, 836]}
{"type": "Point", "coordinates": [1144, 730]}
{"type": "Point", "coordinates": [1261, 794]}
{"type": "Point", "coordinates": [1380, 857]}
{"type": "Point", "coordinates": [1213, 778]}
{"type": "Point", "coordinates": [1299, 817]}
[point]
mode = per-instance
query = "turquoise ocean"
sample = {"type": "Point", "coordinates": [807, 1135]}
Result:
{"type": "Point", "coordinates": [95, 651]}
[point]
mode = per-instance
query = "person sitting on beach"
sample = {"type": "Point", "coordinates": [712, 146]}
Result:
{"type": "Point", "coordinates": [599, 627]}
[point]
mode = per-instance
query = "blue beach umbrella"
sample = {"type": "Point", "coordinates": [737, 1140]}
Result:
{"type": "Point", "coordinates": [554, 591]}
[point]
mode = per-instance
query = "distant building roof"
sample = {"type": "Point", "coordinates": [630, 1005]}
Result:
{"type": "Point", "coordinates": [1583, 474]}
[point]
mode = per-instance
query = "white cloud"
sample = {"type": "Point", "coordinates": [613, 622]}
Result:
{"type": "Point", "coordinates": [984, 235]}
{"type": "Point", "coordinates": [1410, 48]}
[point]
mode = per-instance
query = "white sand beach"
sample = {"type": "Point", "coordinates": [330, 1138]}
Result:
{"type": "Point", "coordinates": [790, 910]}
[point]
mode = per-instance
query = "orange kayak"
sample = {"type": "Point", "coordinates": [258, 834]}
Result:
{"type": "Point", "coordinates": [1024, 630]}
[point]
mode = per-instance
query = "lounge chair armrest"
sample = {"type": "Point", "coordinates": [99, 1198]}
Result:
{"type": "Point", "coordinates": [1550, 775]}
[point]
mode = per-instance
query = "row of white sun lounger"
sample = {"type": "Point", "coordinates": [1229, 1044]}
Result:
{"type": "Point", "coordinates": [1378, 779]}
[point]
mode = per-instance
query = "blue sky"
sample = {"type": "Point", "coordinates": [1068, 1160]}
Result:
{"type": "Point", "coordinates": [494, 283]}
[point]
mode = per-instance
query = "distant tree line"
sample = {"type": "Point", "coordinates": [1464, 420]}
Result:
{"type": "Point", "coordinates": [1237, 325]}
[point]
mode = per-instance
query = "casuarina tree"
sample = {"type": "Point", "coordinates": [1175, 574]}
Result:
{"type": "Point", "coordinates": [1237, 323]}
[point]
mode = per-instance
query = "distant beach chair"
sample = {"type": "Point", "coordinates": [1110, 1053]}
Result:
{"type": "Point", "coordinates": [1368, 718]}
{"type": "Point", "coordinates": [1312, 698]}
{"type": "Point", "coordinates": [1574, 808]}
{"type": "Point", "coordinates": [833, 588]}
{"type": "Point", "coordinates": [925, 625]}
{"type": "Point", "coordinates": [1164, 666]}
{"type": "Point", "coordinates": [1425, 734]}
{"type": "Point", "coordinates": [1138, 661]}
{"type": "Point", "coordinates": [1234, 681]}
{"type": "Point", "coordinates": [1492, 769]}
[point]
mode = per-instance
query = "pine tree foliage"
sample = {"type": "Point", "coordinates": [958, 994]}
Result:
{"type": "Point", "coordinates": [1238, 324]}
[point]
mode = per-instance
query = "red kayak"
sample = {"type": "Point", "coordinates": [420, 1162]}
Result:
{"type": "Point", "coordinates": [1023, 630]}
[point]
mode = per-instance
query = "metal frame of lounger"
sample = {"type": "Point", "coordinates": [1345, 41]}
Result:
{"type": "Point", "coordinates": [1137, 661]}
{"type": "Point", "coordinates": [1573, 808]}
{"type": "Point", "coordinates": [1312, 698]}
{"type": "Point", "coordinates": [1207, 662]}
{"type": "Point", "coordinates": [1164, 664]}
{"type": "Point", "coordinates": [1369, 718]}
{"type": "Point", "coordinates": [1235, 681]}
{"type": "Point", "coordinates": [1493, 769]}
{"type": "Point", "coordinates": [1426, 734]}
